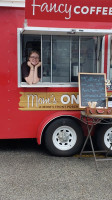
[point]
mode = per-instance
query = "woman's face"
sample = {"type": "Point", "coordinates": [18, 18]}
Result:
{"type": "Point", "coordinates": [34, 58]}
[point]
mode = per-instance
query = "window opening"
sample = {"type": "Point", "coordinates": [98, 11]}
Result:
{"type": "Point", "coordinates": [29, 43]}
{"type": "Point", "coordinates": [60, 59]}
{"type": "Point", "coordinates": [46, 58]}
{"type": "Point", "coordinates": [88, 54]}
{"type": "Point", "coordinates": [64, 56]}
{"type": "Point", "coordinates": [74, 59]}
{"type": "Point", "coordinates": [98, 49]}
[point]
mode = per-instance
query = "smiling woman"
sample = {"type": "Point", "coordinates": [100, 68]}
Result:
{"type": "Point", "coordinates": [31, 68]}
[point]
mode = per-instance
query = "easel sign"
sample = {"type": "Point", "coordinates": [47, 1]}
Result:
{"type": "Point", "coordinates": [92, 88]}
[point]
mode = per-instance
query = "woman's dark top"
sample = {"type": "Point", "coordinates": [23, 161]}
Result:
{"type": "Point", "coordinates": [25, 69]}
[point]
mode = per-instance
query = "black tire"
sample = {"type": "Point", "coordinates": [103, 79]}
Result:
{"type": "Point", "coordinates": [104, 137]}
{"type": "Point", "coordinates": [64, 137]}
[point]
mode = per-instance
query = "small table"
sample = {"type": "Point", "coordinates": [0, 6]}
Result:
{"type": "Point", "coordinates": [91, 121]}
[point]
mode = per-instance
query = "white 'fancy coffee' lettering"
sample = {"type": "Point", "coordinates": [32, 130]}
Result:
{"type": "Point", "coordinates": [92, 10]}
{"type": "Point", "coordinates": [61, 8]}
{"type": "Point", "coordinates": [66, 9]}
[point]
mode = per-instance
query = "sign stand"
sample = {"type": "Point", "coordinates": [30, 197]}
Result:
{"type": "Point", "coordinates": [90, 123]}
{"type": "Point", "coordinates": [92, 88]}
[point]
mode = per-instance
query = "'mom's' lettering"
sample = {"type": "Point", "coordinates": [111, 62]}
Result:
{"type": "Point", "coordinates": [33, 100]}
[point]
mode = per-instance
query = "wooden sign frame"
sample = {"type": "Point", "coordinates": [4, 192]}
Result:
{"type": "Point", "coordinates": [80, 89]}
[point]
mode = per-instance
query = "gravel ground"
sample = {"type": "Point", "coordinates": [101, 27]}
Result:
{"type": "Point", "coordinates": [28, 172]}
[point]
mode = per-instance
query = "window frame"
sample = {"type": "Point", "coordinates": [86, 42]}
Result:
{"type": "Point", "coordinates": [54, 31]}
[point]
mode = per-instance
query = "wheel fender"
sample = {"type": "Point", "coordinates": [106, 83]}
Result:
{"type": "Point", "coordinates": [48, 119]}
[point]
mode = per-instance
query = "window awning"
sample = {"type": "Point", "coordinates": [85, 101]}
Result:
{"type": "Point", "coordinates": [14, 3]}
{"type": "Point", "coordinates": [66, 31]}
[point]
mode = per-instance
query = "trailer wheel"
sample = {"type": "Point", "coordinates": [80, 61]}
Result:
{"type": "Point", "coordinates": [104, 138]}
{"type": "Point", "coordinates": [63, 137]}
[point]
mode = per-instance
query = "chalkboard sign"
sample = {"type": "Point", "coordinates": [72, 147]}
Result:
{"type": "Point", "coordinates": [92, 88]}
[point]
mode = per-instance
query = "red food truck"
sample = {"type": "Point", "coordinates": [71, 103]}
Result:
{"type": "Point", "coordinates": [72, 36]}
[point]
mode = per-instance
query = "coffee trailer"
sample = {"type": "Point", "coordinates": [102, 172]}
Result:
{"type": "Point", "coordinates": [72, 36]}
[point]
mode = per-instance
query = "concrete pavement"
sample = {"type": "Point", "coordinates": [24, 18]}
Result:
{"type": "Point", "coordinates": [28, 172]}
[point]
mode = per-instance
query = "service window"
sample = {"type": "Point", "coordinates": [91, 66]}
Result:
{"type": "Point", "coordinates": [62, 57]}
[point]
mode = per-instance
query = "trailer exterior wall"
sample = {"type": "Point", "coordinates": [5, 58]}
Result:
{"type": "Point", "coordinates": [14, 122]}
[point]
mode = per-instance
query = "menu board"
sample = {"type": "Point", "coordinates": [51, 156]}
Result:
{"type": "Point", "coordinates": [92, 88]}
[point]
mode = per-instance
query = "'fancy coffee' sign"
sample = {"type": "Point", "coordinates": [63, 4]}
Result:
{"type": "Point", "coordinates": [73, 10]}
